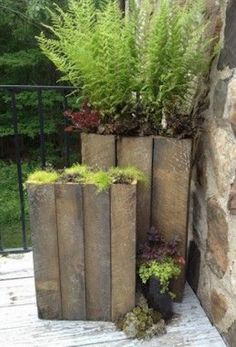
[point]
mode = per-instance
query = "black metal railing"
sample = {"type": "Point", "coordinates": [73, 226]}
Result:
{"type": "Point", "coordinates": [12, 91]}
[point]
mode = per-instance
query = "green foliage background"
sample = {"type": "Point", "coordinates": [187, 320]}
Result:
{"type": "Point", "coordinates": [21, 62]}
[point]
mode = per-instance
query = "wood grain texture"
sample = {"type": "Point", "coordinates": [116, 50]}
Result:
{"type": "Point", "coordinates": [69, 207]}
{"type": "Point", "coordinates": [45, 249]}
{"type": "Point", "coordinates": [97, 253]}
{"type": "Point", "coordinates": [171, 179]}
{"type": "Point", "coordinates": [137, 151]}
{"type": "Point", "coordinates": [98, 150]}
{"type": "Point", "coordinates": [123, 248]}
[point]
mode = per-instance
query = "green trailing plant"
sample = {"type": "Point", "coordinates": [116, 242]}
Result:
{"type": "Point", "coordinates": [85, 175]}
{"type": "Point", "coordinates": [165, 270]}
{"type": "Point", "coordinates": [143, 67]}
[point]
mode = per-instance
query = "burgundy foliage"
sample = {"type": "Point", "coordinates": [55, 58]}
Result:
{"type": "Point", "coordinates": [86, 119]}
{"type": "Point", "coordinates": [156, 248]}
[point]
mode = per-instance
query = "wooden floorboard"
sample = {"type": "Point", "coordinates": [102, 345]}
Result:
{"type": "Point", "coordinates": [19, 325]}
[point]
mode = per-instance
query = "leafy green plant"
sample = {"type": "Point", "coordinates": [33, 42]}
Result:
{"type": "Point", "coordinates": [164, 270]}
{"type": "Point", "coordinates": [159, 258]}
{"type": "Point", "coordinates": [145, 65]}
{"type": "Point", "coordinates": [10, 218]}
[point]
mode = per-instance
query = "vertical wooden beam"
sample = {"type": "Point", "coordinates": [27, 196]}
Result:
{"type": "Point", "coordinates": [98, 150]}
{"type": "Point", "coordinates": [171, 181]}
{"type": "Point", "coordinates": [123, 248]}
{"type": "Point", "coordinates": [138, 152]}
{"type": "Point", "coordinates": [69, 207]}
{"type": "Point", "coordinates": [45, 250]}
{"type": "Point", "coordinates": [97, 253]}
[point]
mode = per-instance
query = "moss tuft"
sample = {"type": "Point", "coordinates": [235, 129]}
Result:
{"type": "Point", "coordinates": [127, 175]}
{"type": "Point", "coordinates": [77, 170]}
{"type": "Point", "coordinates": [85, 175]}
{"type": "Point", "coordinates": [43, 177]}
{"type": "Point", "coordinates": [142, 322]}
{"type": "Point", "coordinates": [100, 179]}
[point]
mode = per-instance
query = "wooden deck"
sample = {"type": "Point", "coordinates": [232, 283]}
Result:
{"type": "Point", "coordinates": [19, 325]}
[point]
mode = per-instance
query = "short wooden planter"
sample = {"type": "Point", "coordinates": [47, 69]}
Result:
{"type": "Point", "coordinates": [84, 248]}
{"type": "Point", "coordinates": [167, 164]}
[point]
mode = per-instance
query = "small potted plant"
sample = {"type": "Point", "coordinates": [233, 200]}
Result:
{"type": "Point", "coordinates": [83, 224]}
{"type": "Point", "coordinates": [159, 264]}
{"type": "Point", "coordinates": [136, 75]}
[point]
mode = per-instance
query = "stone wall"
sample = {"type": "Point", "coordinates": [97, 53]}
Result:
{"type": "Point", "coordinates": [212, 246]}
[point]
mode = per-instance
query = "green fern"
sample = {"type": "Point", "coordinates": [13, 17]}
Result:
{"type": "Point", "coordinates": [176, 56]}
{"type": "Point", "coordinates": [153, 56]}
{"type": "Point", "coordinates": [93, 49]}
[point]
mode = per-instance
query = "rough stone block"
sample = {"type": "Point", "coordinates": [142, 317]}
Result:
{"type": "Point", "coordinates": [218, 306]}
{"type": "Point", "coordinates": [228, 54]}
{"type": "Point", "coordinates": [231, 335]}
{"type": "Point", "coordinates": [232, 199]}
{"type": "Point", "coordinates": [217, 238]}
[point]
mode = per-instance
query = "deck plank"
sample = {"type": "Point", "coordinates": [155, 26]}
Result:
{"type": "Point", "coordinates": [19, 325]}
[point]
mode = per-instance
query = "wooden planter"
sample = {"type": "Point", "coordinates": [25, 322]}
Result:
{"type": "Point", "coordinates": [170, 194]}
{"type": "Point", "coordinates": [167, 164]}
{"type": "Point", "coordinates": [84, 249]}
{"type": "Point", "coordinates": [106, 151]}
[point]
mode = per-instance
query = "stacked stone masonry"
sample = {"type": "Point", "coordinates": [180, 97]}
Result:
{"type": "Point", "coordinates": [212, 245]}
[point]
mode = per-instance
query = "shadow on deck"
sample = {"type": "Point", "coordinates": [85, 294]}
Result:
{"type": "Point", "coordinates": [19, 325]}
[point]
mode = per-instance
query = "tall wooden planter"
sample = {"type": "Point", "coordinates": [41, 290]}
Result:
{"type": "Point", "coordinates": [109, 150]}
{"type": "Point", "coordinates": [84, 249]}
{"type": "Point", "coordinates": [167, 163]}
{"type": "Point", "coordinates": [170, 194]}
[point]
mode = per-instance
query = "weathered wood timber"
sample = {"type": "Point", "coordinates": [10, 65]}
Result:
{"type": "Point", "coordinates": [123, 248]}
{"type": "Point", "coordinates": [98, 150]}
{"type": "Point", "coordinates": [45, 247]}
{"type": "Point", "coordinates": [171, 180]}
{"type": "Point", "coordinates": [84, 249]}
{"type": "Point", "coordinates": [138, 151]}
{"type": "Point", "coordinates": [97, 233]}
{"type": "Point", "coordinates": [69, 207]}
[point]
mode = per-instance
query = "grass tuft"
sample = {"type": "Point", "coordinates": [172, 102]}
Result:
{"type": "Point", "coordinates": [127, 175]}
{"type": "Point", "coordinates": [43, 177]}
{"type": "Point", "coordinates": [85, 175]}
{"type": "Point", "coordinates": [77, 170]}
